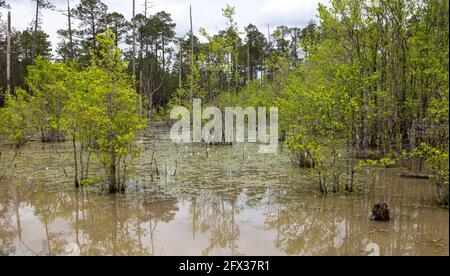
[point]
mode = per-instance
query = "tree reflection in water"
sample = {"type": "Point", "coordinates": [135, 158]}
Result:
{"type": "Point", "coordinates": [99, 225]}
{"type": "Point", "coordinates": [215, 216]}
{"type": "Point", "coordinates": [342, 225]}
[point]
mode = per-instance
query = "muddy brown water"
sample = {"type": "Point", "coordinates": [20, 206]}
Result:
{"type": "Point", "coordinates": [232, 202]}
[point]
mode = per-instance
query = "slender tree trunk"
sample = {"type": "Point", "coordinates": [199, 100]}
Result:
{"type": "Point", "coordinates": [322, 184]}
{"type": "Point", "coordinates": [113, 188]}
{"type": "Point", "coordinates": [180, 72]}
{"type": "Point", "coordinates": [86, 173]}
{"type": "Point", "coordinates": [134, 42]}
{"type": "Point", "coordinates": [156, 62]}
{"type": "Point", "coordinates": [365, 125]}
{"type": "Point", "coordinates": [347, 165]}
{"type": "Point", "coordinates": [352, 182]}
{"type": "Point", "coordinates": [141, 73]}
{"type": "Point", "coordinates": [295, 49]}
{"type": "Point", "coordinates": [36, 26]}
{"type": "Point", "coordinates": [148, 73]}
{"type": "Point", "coordinates": [163, 53]}
{"type": "Point", "coordinates": [74, 145]}
{"type": "Point", "coordinates": [335, 172]}
{"type": "Point", "coordinates": [192, 55]}
{"type": "Point", "coordinates": [8, 54]}
{"type": "Point", "coordinates": [248, 62]}
{"type": "Point", "coordinates": [262, 70]}
{"type": "Point", "coordinates": [116, 33]}
{"type": "Point", "coordinates": [269, 53]}
{"type": "Point", "coordinates": [82, 161]}
{"type": "Point", "coordinates": [94, 38]}
{"type": "Point", "coordinates": [94, 31]}
{"type": "Point", "coordinates": [69, 17]}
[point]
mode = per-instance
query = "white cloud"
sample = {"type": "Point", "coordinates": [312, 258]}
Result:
{"type": "Point", "coordinates": [289, 12]}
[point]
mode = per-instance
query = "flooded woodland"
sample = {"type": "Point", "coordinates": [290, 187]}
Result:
{"type": "Point", "coordinates": [162, 128]}
{"type": "Point", "coordinates": [233, 202]}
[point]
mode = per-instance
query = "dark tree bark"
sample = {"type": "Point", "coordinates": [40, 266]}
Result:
{"type": "Point", "coordinates": [380, 212]}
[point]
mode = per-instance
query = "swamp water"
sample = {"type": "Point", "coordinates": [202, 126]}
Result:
{"type": "Point", "coordinates": [233, 202]}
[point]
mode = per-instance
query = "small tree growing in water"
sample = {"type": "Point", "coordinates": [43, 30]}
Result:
{"type": "Point", "coordinates": [112, 116]}
{"type": "Point", "coordinates": [17, 125]}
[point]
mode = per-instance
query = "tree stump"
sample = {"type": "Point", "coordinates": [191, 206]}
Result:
{"type": "Point", "coordinates": [380, 212]}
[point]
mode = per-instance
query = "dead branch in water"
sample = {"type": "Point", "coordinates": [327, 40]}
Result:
{"type": "Point", "coordinates": [10, 164]}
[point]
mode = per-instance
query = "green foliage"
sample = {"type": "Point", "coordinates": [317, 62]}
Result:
{"type": "Point", "coordinates": [385, 162]}
{"type": "Point", "coordinates": [47, 83]}
{"type": "Point", "coordinates": [372, 74]}
{"type": "Point", "coordinates": [104, 112]}
{"type": "Point", "coordinates": [437, 164]}
{"type": "Point", "coordinates": [17, 121]}
{"type": "Point", "coordinates": [97, 107]}
{"type": "Point", "coordinates": [307, 152]}
{"type": "Point", "coordinates": [90, 181]}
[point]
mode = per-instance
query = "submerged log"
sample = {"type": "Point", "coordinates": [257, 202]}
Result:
{"type": "Point", "coordinates": [380, 212]}
{"type": "Point", "coordinates": [414, 175]}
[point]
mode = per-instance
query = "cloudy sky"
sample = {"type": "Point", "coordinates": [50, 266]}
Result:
{"type": "Point", "coordinates": [206, 13]}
